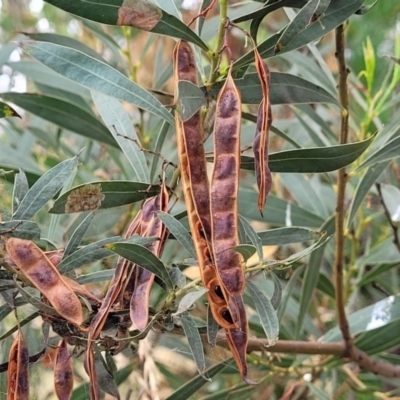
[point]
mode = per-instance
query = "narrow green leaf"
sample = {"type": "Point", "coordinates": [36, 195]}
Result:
{"type": "Point", "coordinates": [28, 230]}
{"type": "Point", "coordinates": [241, 391]}
{"type": "Point", "coordinates": [388, 152]}
{"type": "Point", "coordinates": [300, 22]}
{"type": "Point", "coordinates": [312, 273]}
{"type": "Point", "coordinates": [45, 188]}
{"type": "Point", "coordinates": [65, 41]}
{"type": "Point", "coordinates": [95, 75]}
{"type": "Point", "coordinates": [245, 250]}
{"type": "Point", "coordinates": [277, 293]}
{"type": "Point", "coordinates": [284, 89]}
{"type": "Point", "coordinates": [195, 384]}
{"type": "Point", "coordinates": [177, 277]}
{"type": "Point", "coordinates": [122, 12]}
{"type": "Point", "coordinates": [212, 328]}
{"type": "Point", "coordinates": [7, 111]}
{"type": "Point", "coordinates": [195, 343]}
{"type": "Point", "coordinates": [166, 127]}
{"type": "Point", "coordinates": [337, 12]}
{"type": "Point", "coordinates": [364, 185]}
{"type": "Point", "coordinates": [99, 276]}
{"type": "Point", "coordinates": [279, 236]}
{"type": "Point", "coordinates": [21, 188]}
{"type": "Point", "coordinates": [179, 232]}
{"type": "Point", "coordinates": [87, 254]}
{"type": "Point", "coordinates": [317, 392]}
{"type": "Point", "coordinates": [16, 327]}
{"type": "Point", "coordinates": [78, 235]}
{"type": "Point", "coordinates": [109, 194]}
{"type": "Point", "coordinates": [374, 273]}
{"type": "Point", "coordinates": [5, 309]}
{"type": "Point", "coordinates": [40, 74]}
{"type": "Point", "coordinates": [311, 160]}
{"type": "Point", "coordinates": [121, 127]}
{"type": "Point", "coordinates": [63, 113]}
{"type": "Point", "coordinates": [265, 311]}
{"type": "Point", "coordinates": [143, 257]}
{"type": "Point", "coordinates": [188, 300]}
{"type": "Point", "coordinates": [190, 99]}
{"type": "Point", "coordinates": [253, 236]}
{"type": "Point", "coordinates": [287, 292]}
{"type": "Point", "coordinates": [105, 378]}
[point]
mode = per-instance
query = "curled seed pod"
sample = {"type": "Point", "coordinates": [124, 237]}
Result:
{"type": "Point", "coordinates": [17, 373]}
{"type": "Point", "coordinates": [224, 188]}
{"type": "Point", "coordinates": [63, 373]}
{"type": "Point", "coordinates": [195, 184]}
{"type": "Point", "coordinates": [36, 267]}
{"type": "Point", "coordinates": [151, 226]}
{"type": "Point", "coordinates": [260, 147]}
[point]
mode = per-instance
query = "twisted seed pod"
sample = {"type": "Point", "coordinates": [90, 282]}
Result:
{"type": "Point", "coordinates": [260, 146]}
{"type": "Point", "coordinates": [151, 225]}
{"type": "Point", "coordinates": [196, 188]}
{"type": "Point", "coordinates": [35, 266]}
{"type": "Point", "coordinates": [63, 373]}
{"type": "Point", "coordinates": [17, 373]}
{"type": "Point", "coordinates": [122, 274]}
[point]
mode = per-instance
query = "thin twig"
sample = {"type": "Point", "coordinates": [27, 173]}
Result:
{"type": "Point", "coordinates": [396, 240]}
{"type": "Point", "coordinates": [341, 187]}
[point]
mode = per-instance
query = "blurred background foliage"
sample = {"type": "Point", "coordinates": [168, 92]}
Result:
{"type": "Point", "coordinates": [162, 363]}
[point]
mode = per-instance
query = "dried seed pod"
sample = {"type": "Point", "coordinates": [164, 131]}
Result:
{"type": "Point", "coordinates": [260, 146]}
{"type": "Point", "coordinates": [63, 373]}
{"type": "Point", "coordinates": [224, 188]}
{"type": "Point", "coordinates": [151, 226]}
{"type": "Point", "coordinates": [195, 186]}
{"type": "Point", "coordinates": [35, 266]}
{"type": "Point", "coordinates": [17, 373]}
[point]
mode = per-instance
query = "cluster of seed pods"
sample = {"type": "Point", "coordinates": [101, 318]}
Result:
{"type": "Point", "coordinates": [212, 209]}
{"type": "Point", "coordinates": [131, 284]}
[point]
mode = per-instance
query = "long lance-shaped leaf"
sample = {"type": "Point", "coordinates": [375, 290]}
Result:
{"type": "Point", "coordinates": [337, 12]}
{"type": "Point", "coordinates": [121, 127]}
{"type": "Point", "coordinates": [140, 14]}
{"type": "Point", "coordinates": [63, 113]}
{"type": "Point", "coordinates": [21, 229]}
{"type": "Point", "coordinates": [284, 89]}
{"type": "Point", "coordinates": [94, 75]}
{"type": "Point", "coordinates": [45, 188]}
{"type": "Point", "coordinates": [195, 343]}
{"type": "Point", "coordinates": [302, 19]}
{"type": "Point", "coordinates": [143, 257]}
{"type": "Point", "coordinates": [311, 160]}
{"type": "Point", "coordinates": [266, 312]}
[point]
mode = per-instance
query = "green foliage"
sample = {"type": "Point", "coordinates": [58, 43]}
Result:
{"type": "Point", "coordinates": [96, 117]}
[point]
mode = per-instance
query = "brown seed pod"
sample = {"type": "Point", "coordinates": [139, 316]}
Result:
{"type": "Point", "coordinates": [196, 188]}
{"type": "Point", "coordinates": [260, 146]}
{"type": "Point", "coordinates": [63, 372]}
{"type": "Point", "coordinates": [151, 226]}
{"type": "Point", "coordinates": [17, 373]}
{"type": "Point", "coordinates": [35, 266]}
{"type": "Point", "coordinates": [224, 188]}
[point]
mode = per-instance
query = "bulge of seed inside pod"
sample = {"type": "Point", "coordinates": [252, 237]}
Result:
{"type": "Point", "coordinates": [225, 165]}
{"type": "Point", "coordinates": [23, 251]}
{"type": "Point", "coordinates": [224, 224]}
{"type": "Point", "coordinates": [185, 60]}
{"type": "Point", "coordinates": [227, 104]}
{"type": "Point", "coordinates": [44, 276]}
